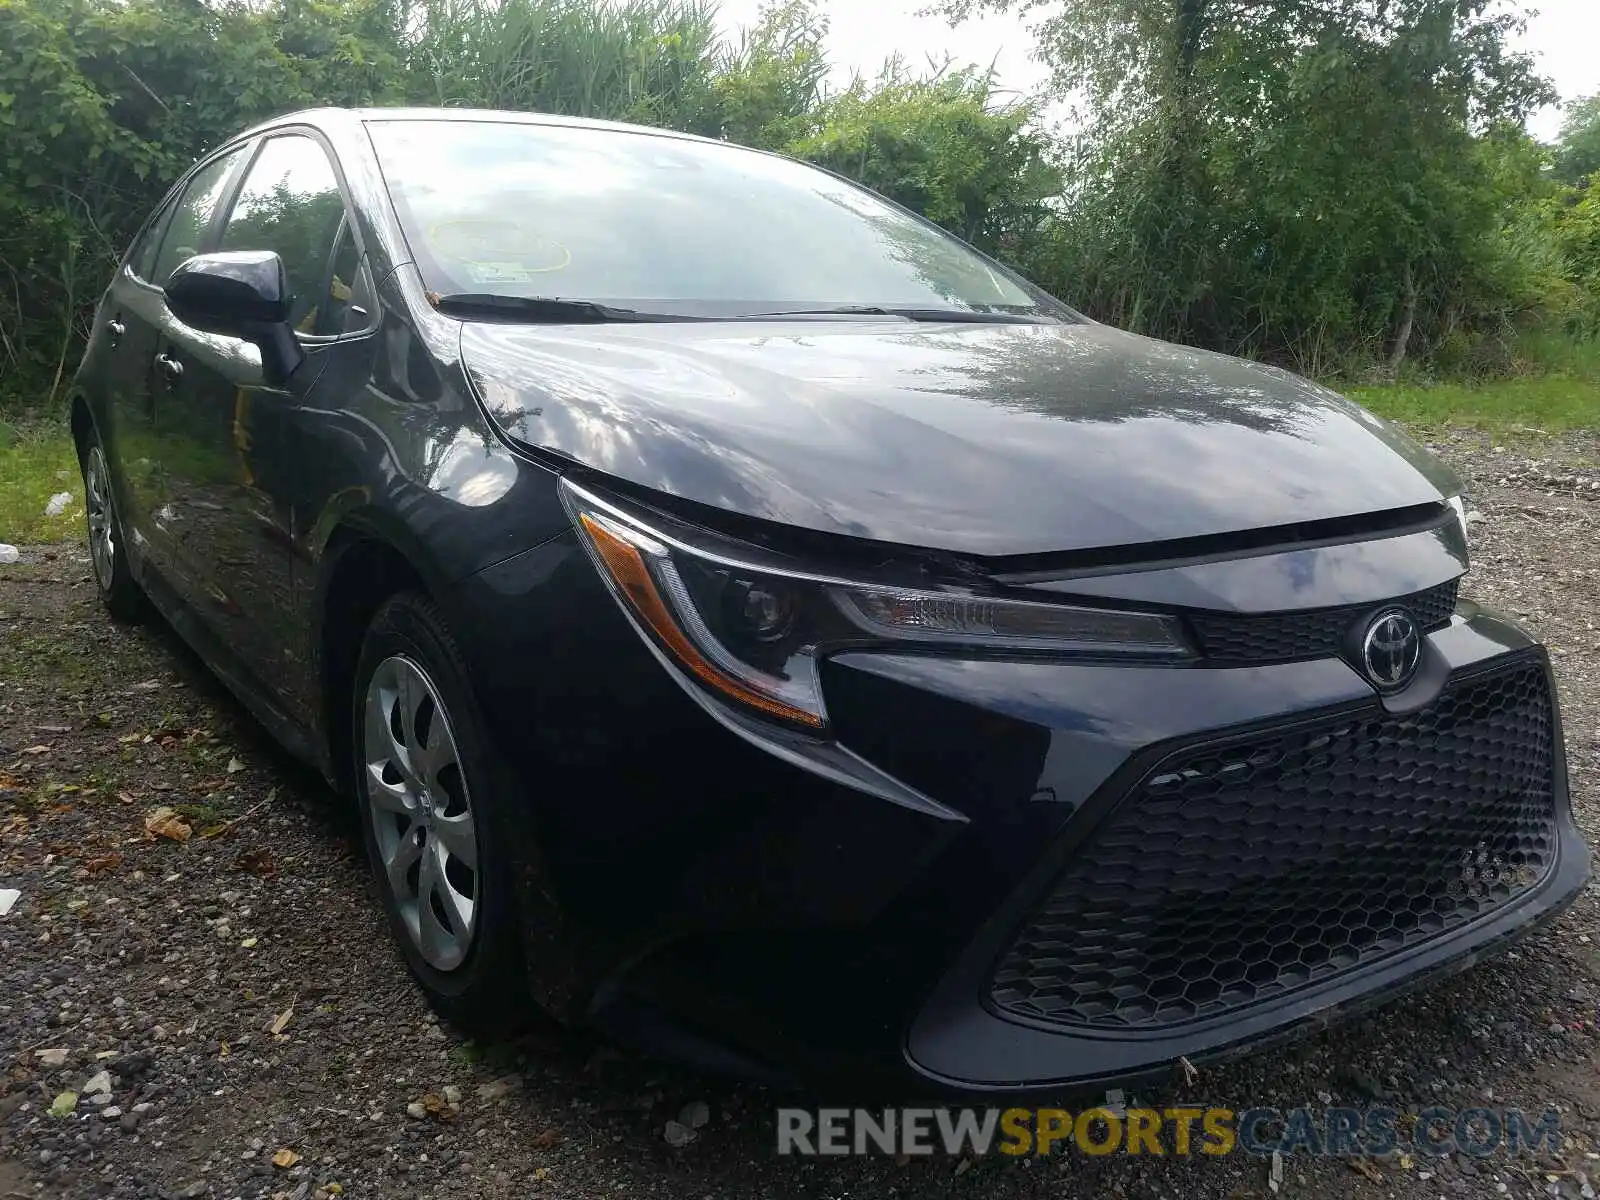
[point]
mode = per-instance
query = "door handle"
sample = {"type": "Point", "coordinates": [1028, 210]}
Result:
{"type": "Point", "coordinates": [114, 330]}
{"type": "Point", "coordinates": [170, 367]}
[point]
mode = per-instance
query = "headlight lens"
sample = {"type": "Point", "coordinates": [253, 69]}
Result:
{"type": "Point", "coordinates": [755, 634]}
{"type": "Point", "coordinates": [1016, 624]}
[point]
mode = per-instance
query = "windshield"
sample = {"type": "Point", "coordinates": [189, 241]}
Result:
{"type": "Point", "coordinates": [664, 224]}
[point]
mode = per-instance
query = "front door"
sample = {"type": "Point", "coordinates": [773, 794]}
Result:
{"type": "Point", "coordinates": [227, 437]}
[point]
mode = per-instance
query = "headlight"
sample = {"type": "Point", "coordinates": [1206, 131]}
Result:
{"type": "Point", "coordinates": [754, 633]}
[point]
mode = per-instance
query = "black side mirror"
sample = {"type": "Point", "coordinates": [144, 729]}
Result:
{"type": "Point", "coordinates": [243, 294]}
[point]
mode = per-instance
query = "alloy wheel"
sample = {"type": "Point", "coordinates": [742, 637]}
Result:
{"type": "Point", "coordinates": [421, 811]}
{"type": "Point", "coordinates": [101, 518]}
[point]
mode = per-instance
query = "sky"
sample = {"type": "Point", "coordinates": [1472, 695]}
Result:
{"type": "Point", "coordinates": [1564, 37]}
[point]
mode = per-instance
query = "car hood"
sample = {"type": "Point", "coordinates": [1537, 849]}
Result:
{"type": "Point", "coordinates": [1004, 439]}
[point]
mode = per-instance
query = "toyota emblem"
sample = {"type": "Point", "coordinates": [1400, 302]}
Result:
{"type": "Point", "coordinates": [1391, 649]}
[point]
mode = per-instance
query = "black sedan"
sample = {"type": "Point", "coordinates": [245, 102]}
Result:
{"type": "Point", "coordinates": [755, 624]}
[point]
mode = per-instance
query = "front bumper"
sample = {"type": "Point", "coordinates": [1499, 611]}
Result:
{"type": "Point", "coordinates": [1102, 985]}
{"type": "Point", "coordinates": [688, 889]}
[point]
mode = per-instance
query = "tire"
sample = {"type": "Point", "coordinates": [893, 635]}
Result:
{"type": "Point", "coordinates": [422, 765]}
{"type": "Point", "coordinates": [113, 575]}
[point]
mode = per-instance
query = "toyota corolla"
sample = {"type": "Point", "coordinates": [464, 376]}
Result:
{"type": "Point", "coordinates": [755, 624]}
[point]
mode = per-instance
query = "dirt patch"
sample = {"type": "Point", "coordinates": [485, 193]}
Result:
{"type": "Point", "coordinates": [260, 1036]}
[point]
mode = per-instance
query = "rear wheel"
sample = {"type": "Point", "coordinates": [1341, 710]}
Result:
{"type": "Point", "coordinates": [113, 576]}
{"type": "Point", "coordinates": [428, 789]}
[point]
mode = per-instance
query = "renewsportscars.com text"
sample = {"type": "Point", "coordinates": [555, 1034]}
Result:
{"type": "Point", "coordinates": [1350, 1132]}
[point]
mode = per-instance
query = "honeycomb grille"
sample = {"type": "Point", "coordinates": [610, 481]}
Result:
{"type": "Point", "coordinates": [1235, 874]}
{"type": "Point", "coordinates": [1310, 633]}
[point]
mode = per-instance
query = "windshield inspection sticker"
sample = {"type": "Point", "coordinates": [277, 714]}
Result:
{"type": "Point", "coordinates": [500, 272]}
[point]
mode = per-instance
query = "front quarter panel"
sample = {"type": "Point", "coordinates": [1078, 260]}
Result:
{"type": "Point", "coordinates": [390, 445]}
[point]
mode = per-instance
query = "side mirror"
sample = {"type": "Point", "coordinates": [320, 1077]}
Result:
{"type": "Point", "coordinates": [243, 294]}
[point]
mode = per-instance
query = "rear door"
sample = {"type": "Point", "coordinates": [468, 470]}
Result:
{"type": "Point", "coordinates": [132, 315]}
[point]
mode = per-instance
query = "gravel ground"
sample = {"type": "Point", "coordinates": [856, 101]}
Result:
{"type": "Point", "coordinates": [235, 1022]}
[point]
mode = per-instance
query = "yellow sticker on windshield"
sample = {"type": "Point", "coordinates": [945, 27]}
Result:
{"type": "Point", "coordinates": [498, 251]}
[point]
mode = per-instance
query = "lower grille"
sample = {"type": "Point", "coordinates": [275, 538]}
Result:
{"type": "Point", "coordinates": [1234, 874]}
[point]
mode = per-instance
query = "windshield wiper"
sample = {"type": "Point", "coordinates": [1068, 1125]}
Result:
{"type": "Point", "coordinates": [557, 310]}
{"type": "Point", "coordinates": [966, 315]}
{"type": "Point", "coordinates": [552, 309]}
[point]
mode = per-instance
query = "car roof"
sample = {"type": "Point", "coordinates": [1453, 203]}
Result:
{"type": "Point", "coordinates": [332, 118]}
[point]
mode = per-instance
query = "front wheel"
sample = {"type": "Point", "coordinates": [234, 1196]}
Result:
{"type": "Point", "coordinates": [113, 576]}
{"type": "Point", "coordinates": [428, 789]}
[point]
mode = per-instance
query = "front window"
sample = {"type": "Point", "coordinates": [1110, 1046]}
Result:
{"type": "Point", "coordinates": [188, 224]}
{"type": "Point", "coordinates": [290, 204]}
{"type": "Point", "coordinates": [668, 225]}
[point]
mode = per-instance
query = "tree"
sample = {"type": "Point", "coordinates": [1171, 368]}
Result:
{"type": "Point", "coordinates": [1300, 179]}
{"type": "Point", "coordinates": [942, 148]}
{"type": "Point", "coordinates": [1577, 156]}
{"type": "Point", "coordinates": [769, 83]}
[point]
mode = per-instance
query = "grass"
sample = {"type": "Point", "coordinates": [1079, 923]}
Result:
{"type": "Point", "coordinates": [36, 462]}
{"type": "Point", "coordinates": [1554, 387]}
{"type": "Point", "coordinates": [1547, 404]}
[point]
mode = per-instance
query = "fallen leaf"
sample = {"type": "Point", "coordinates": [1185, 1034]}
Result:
{"type": "Point", "coordinates": [258, 862]}
{"type": "Point", "coordinates": [435, 1106]}
{"type": "Point", "coordinates": [281, 1021]}
{"type": "Point", "coordinates": [35, 750]}
{"type": "Point", "coordinates": [102, 864]}
{"type": "Point", "coordinates": [128, 739]}
{"type": "Point", "coordinates": [248, 944]}
{"type": "Point", "coordinates": [1364, 1166]}
{"type": "Point", "coordinates": [149, 685]}
{"type": "Point", "coordinates": [547, 1138]}
{"type": "Point", "coordinates": [540, 1175]}
{"type": "Point", "coordinates": [165, 822]}
{"type": "Point", "coordinates": [285, 1158]}
{"type": "Point", "coordinates": [63, 1104]}
{"type": "Point", "coordinates": [234, 766]}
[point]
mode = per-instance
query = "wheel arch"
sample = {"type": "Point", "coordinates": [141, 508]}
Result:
{"type": "Point", "coordinates": [80, 421]}
{"type": "Point", "coordinates": [363, 561]}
